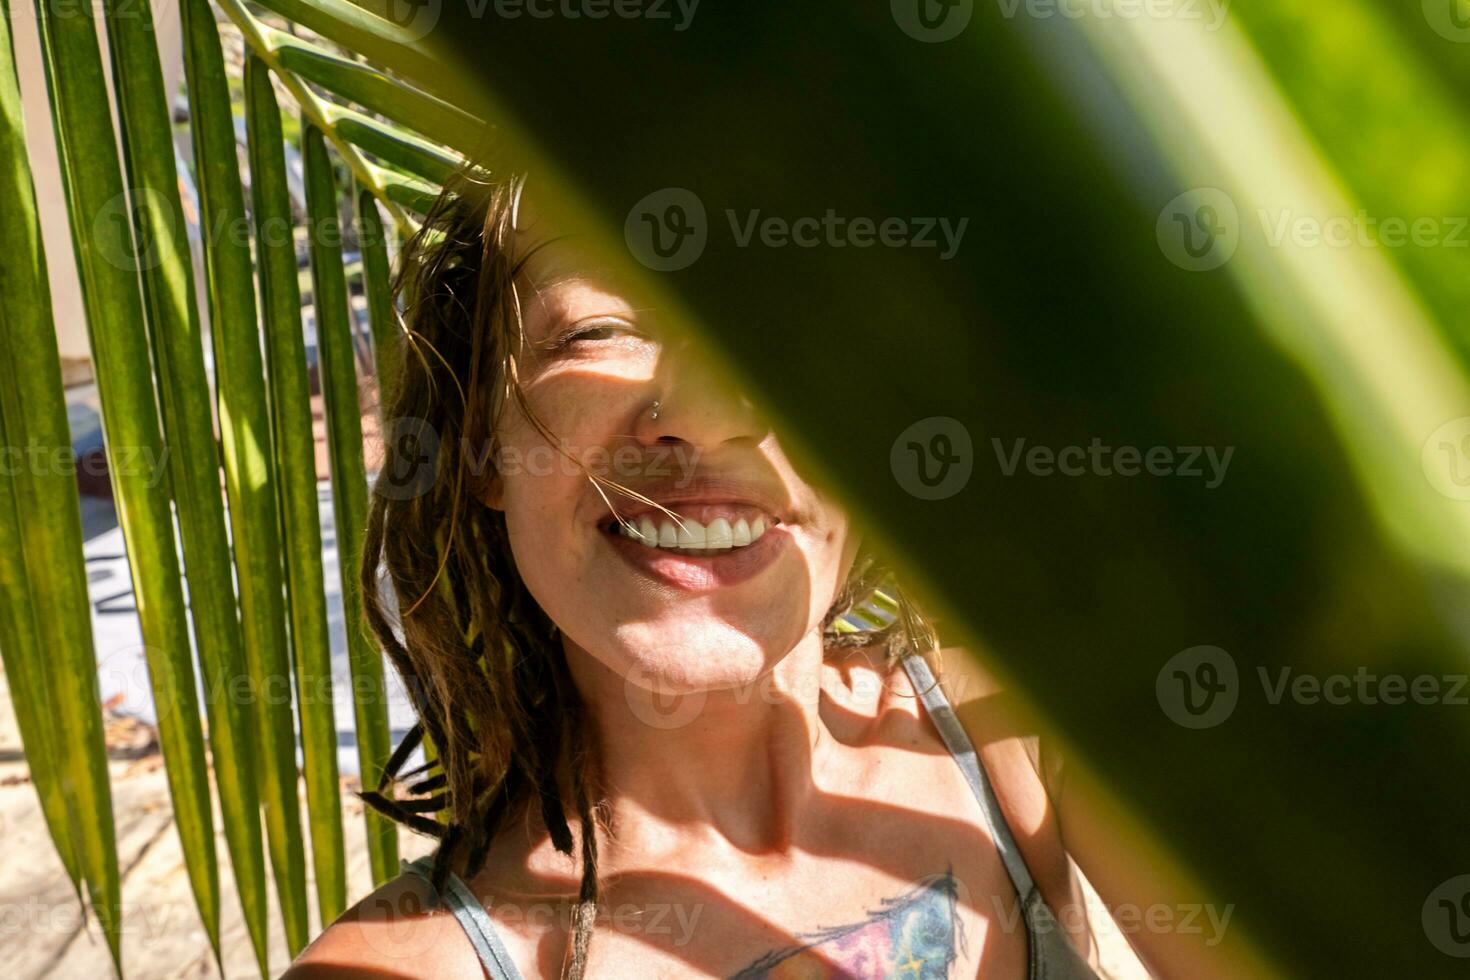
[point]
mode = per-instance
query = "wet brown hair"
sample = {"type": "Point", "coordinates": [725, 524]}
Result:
{"type": "Point", "coordinates": [482, 662]}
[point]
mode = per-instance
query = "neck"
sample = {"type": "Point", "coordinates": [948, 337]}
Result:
{"type": "Point", "coordinates": [736, 763]}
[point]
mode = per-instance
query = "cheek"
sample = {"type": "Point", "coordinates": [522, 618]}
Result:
{"type": "Point", "coordinates": [541, 478]}
{"type": "Point", "coordinates": [540, 497]}
{"type": "Point", "coordinates": [835, 541]}
{"type": "Point", "coordinates": [549, 557]}
{"type": "Point", "coordinates": [540, 489]}
{"type": "Point", "coordinates": [830, 552]}
{"type": "Point", "coordinates": [574, 403]}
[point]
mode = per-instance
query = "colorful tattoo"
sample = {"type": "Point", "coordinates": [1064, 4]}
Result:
{"type": "Point", "coordinates": [911, 937]}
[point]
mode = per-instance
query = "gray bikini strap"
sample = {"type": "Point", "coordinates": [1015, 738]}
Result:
{"type": "Point", "coordinates": [963, 750]}
{"type": "Point", "coordinates": [472, 918]}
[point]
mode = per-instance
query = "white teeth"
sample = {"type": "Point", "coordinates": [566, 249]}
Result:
{"type": "Point", "coordinates": [717, 535]}
{"type": "Point", "coordinates": [691, 534]}
{"type": "Point", "coordinates": [647, 532]}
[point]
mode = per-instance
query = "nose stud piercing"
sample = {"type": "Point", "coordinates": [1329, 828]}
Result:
{"type": "Point", "coordinates": [655, 410]}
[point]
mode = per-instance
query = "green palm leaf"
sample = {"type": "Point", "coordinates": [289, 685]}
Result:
{"type": "Point", "coordinates": [26, 328]}
{"type": "Point", "coordinates": [296, 462]}
{"type": "Point", "coordinates": [349, 484]}
{"type": "Point", "coordinates": [103, 238]}
{"type": "Point", "coordinates": [173, 317]}
{"type": "Point", "coordinates": [250, 477]}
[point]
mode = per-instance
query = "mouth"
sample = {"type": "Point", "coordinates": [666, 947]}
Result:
{"type": "Point", "coordinates": [711, 546]}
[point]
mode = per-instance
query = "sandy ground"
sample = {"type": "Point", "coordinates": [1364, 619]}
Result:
{"type": "Point", "coordinates": [42, 933]}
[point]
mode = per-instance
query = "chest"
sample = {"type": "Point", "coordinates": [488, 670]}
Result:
{"type": "Point", "coordinates": [846, 923]}
{"type": "Point", "coordinates": [898, 878]}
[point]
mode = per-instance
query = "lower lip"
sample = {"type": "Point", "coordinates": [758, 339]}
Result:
{"type": "Point", "coordinates": [700, 573]}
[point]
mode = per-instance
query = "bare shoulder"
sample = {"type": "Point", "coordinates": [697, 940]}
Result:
{"type": "Point", "coordinates": [1024, 770]}
{"type": "Point", "coordinates": [396, 932]}
{"type": "Point", "coordinates": [1001, 726]}
{"type": "Point", "coordinates": [867, 681]}
{"type": "Point", "coordinates": [990, 714]}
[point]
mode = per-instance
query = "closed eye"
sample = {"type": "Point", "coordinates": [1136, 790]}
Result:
{"type": "Point", "coordinates": [603, 332]}
{"type": "Point", "coordinates": [592, 332]}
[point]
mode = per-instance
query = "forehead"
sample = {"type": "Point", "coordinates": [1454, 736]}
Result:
{"type": "Point", "coordinates": [561, 283]}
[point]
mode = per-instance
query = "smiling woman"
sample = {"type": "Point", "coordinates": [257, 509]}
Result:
{"type": "Point", "coordinates": [648, 730]}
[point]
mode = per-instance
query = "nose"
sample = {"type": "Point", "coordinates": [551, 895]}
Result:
{"type": "Point", "coordinates": [696, 405]}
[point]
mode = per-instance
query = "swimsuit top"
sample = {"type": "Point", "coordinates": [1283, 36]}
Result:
{"type": "Point", "coordinates": [1051, 956]}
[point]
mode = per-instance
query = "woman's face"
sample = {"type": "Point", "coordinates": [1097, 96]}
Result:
{"type": "Point", "coordinates": [671, 619]}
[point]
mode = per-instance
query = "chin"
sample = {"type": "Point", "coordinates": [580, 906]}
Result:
{"type": "Point", "coordinates": [677, 659]}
